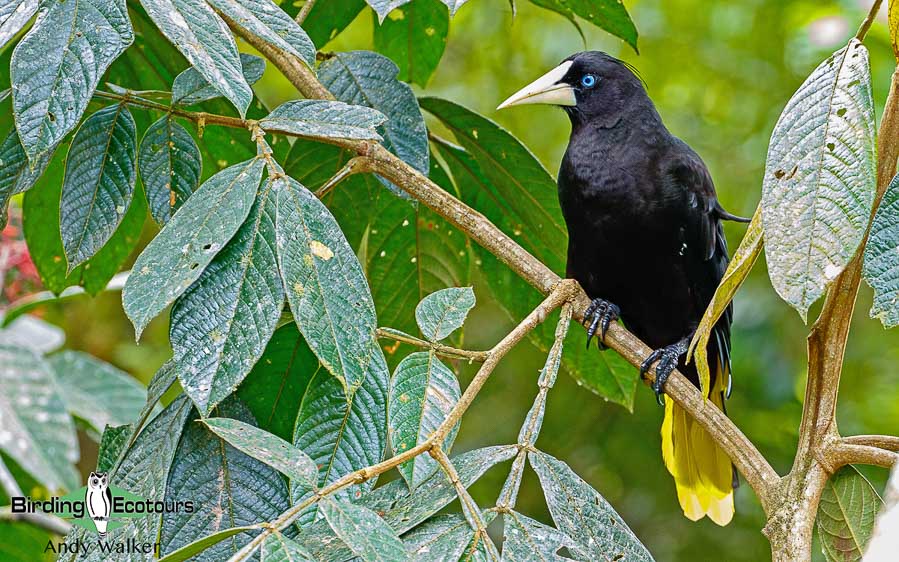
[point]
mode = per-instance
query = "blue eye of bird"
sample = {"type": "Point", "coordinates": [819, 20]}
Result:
{"type": "Point", "coordinates": [588, 81]}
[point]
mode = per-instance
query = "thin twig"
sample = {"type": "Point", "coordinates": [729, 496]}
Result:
{"type": "Point", "coordinates": [356, 165]}
{"type": "Point", "coordinates": [886, 442]}
{"type": "Point", "coordinates": [866, 24]}
{"type": "Point", "coordinates": [438, 348]}
{"type": "Point", "coordinates": [304, 11]}
{"type": "Point", "coordinates": [842, 453]}
{"type": "Point", "coordinates": [469, 507]}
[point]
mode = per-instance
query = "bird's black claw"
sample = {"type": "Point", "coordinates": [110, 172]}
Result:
{"type": "Point", "coordinates": [665, 359]}
{"type": "Point", "coordinates": [600, 314]}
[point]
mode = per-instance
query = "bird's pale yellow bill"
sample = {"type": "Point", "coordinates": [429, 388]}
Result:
{"type": "Point", "coordinates": [547, 89]}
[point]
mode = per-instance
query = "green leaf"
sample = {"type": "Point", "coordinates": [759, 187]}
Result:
{"type": "Point", "coordinates": [606, 374]}
{"type": "Point", "coordinates": [13, 17]}
{"type": "Point", "coordinates": [216, 345]}
{"type": "Point", "coordinates": [278, 548]}
{"type": "Point", "coordinates": [443, 312]}
{"type": "Point", "coordinates": [57, 65]}
{"type": "Point", "coordinates": [367, 535]}
{"type": "Point", "coordinates": [422, 392]}
{"type": "Point", "coordinates": [384, 7]}
{"type": "Point", "coordinates": [41, 226]}
{"type": "Point", "coordinates": [327, 19]}
{"type": "Point", "coordinates": [99, 182]}
{"type": "Point", "coordinates": [414, 37]}
{"type": "Point", "coordinates": [179, 254]}
{"type": "Point", "coordinates": [403, 510]}
{"type": "Point", "coordinates": [267, 448]}
{"type": "Point", "coordinates": [326, 289]}
{"type": "Point", "coordinates": [143, 471]}
{"type": "Point", "coordinates": [265, 20]}
{"type": "Point", "coordinates": [326, 119]}
{"type": "Point", "coordinates": [191, 87]}
{"type": "Point", "coordinates": [846, 515]}
{"type": "Point", "coordinates": [96, 391]}
{"type": "Point", "coordinates": [583, 514]}
{"type": "Point", "coordinates": [819, 178]}
{"type": "Point", "coordinates": [16, 173]}
{"type": "Point", "coordinates": [609, 15]}
{"type": "Point", "coordinates": [170, 167]}
{"type": "Point", "coordinates": [737, 271]}
{"type": "Point", "coordinates": [205, 40]}
{"type": "Point", "coordinates": [342, 433]}
{"type": "Point", "coordinates": [37, 431]}
{"type": "Point", "coordinates": [112, 445]}
{"type": "Point", "coordinates": [881, 268]}
{"type": "Point", "coordinates": [442, 538]}
{"type": "Point", "coordinates": [274, 388]}
{"type": "Point", "coordinates": [525, 539]}
{"type": "Point", "coordinates": [370, 79]}
{"type": "Point", "coordinates": [187, 552]}
{"type": "Point", "coordinates": [231, 488]}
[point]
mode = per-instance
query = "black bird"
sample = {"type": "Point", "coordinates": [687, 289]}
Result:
{"type": "Point", "coordinates": [645, 241]}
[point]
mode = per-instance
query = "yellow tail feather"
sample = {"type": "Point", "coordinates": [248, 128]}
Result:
{"type": "Point", "coordinates": [702, 471]}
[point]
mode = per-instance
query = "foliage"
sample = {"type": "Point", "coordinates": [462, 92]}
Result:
{"type": "Point", "coordinates": [284, 259]}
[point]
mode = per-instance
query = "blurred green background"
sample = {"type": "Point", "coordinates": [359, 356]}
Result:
{"type": "Point", "coordinates": [720, 71]}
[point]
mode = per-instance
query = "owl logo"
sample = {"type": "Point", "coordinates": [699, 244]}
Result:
{"type": "Point", "coordinates": [98, 499]}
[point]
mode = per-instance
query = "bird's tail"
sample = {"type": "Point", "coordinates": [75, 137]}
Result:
{"type": "Point", "coordinates": [703, 473]}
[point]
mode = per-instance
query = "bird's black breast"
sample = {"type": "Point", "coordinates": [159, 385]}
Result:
{"type": "Point", "coordinates": [633, 234]}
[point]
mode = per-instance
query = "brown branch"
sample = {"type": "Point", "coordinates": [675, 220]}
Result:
{"type": "Point", "coordinates": [755, 469]}
{"type": "Point", "coordinates": [886, 442]}
{"type": "Point", "coordinates": [304, 11]}
{"type": "Point", "coordinates": [356, 165]}
{"type": "Point", "coordinates": [842, 453]}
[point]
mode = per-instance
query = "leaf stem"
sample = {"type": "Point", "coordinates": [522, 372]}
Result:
{"type": "Point", "coordinates": [866, 24]}
{"type": "Point", "coordinates": [304, 11]}
{"type": "Point", "coordinates": [438, 348]}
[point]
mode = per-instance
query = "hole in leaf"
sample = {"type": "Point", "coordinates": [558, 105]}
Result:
{"type": "Point", "coordinates": [207, 246]}
{"type": "Point", "coordinates": [51, 116]}
{"type": "Point", "coordinates": [779, 174]}
{"type": "Point", "coordinates": [831, 146]}
{"type": "Point", "coordinates": [194, 265]}
{"type": "Point", "coordinates": [841, 112]}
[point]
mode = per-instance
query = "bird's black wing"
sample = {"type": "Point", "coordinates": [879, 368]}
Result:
{"type": "Point", "coordinates": [706, 256]}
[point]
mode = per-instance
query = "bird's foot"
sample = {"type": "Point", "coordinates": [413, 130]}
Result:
{"type": "Point", "coordinates": [665, 360]}
{"type": "Point", "coordinates": [599, 315]}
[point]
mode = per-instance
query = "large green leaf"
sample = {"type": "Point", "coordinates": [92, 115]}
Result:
{"type": "Point", "coordinates": [13, 17]}
{"type": "Point", "coordinates": [342, 433]}
{"type": "Point", "coordinates": [231, 489]}
{"type": "Point", "coordinates": [367, 535]}
{"type": "Point", "coordinates": [112, 445]}
{"type": "Point", "coordinates": [267, 448]}
{"type": "Point", "coordinates": [189, 87]}
{"type": "Point", "coordinates": [422, 392]}
{"type": "Point", "coordinates": [583, 514]}
{"type": "Point", "coordinates": [265, 20]}
{"type": "Point", "coordinates": [170, 167]}
{"type": "Point", "coordinates": [403, 510]}
{"type": "Point", "coordinates": [846, 515]}
{"type": "Point", "coordinates": [37, 431]}
{"type": "Point", "coordinates": [96, 391]}
{"type": "Point", "coordinates": [205, 40]}
{"type": "Point", "coordinates": [367, 78]}
{"type": "Point", "coordinates": [99, 182]}
{"type": "Point", "coordinates": [328, 119]}
{"type": "Point", "coordinates": [384, 7]}
{"type": "Point", "coordinates": [144, 471]}
{"type": "Point", "coordinates": [278, 548]}
{"type": "Point", "coordinates": [274, 388]}
{"type": "Point", "coordinates": [41, 225]}
{"type": "Point", "coordinates": [16, 173]}
{"type": "Point", "coordinates": [188, 551]}
{"type": "Point", "coordinates": [56, 67]}
{"type": "Point", "coordinates": [819, 178]}
{"type": "Point", "coordinates": [179, 254]}
{"type": "Point", "coordinates": [881, 267]}
{"type": "Point", "coordinates": [443, 312]}
{"type": "Point", "coordinates": [609, 15]}
{"type": "Point", "coordinates": [442, 538]}
{"type": "Point", "coordinates": [526, 540]}
{"type": "Point", "coordinates": [414, 37]}
{"type": "Point", "coordinates": [326, 289]}
{"type": "Point", "coordinates": [221, 324]}
{"type": "Point", "coordinates": [607, 374]}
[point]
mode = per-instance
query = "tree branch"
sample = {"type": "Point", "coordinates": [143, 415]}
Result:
{"type": "Point", "coordinates": [751, 464]}
{"type": "Point", "coordinates": [869, 19]}
{"type": "Point", "coordinates": [438, 348]}
{"type": "Point", "coordinates": [842, 453]}
{"type": "Point", "coordinates": [886, 442]}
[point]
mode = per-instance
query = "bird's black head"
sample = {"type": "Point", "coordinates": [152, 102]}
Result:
{"type": "Point", "coordinates": [590, 86]}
